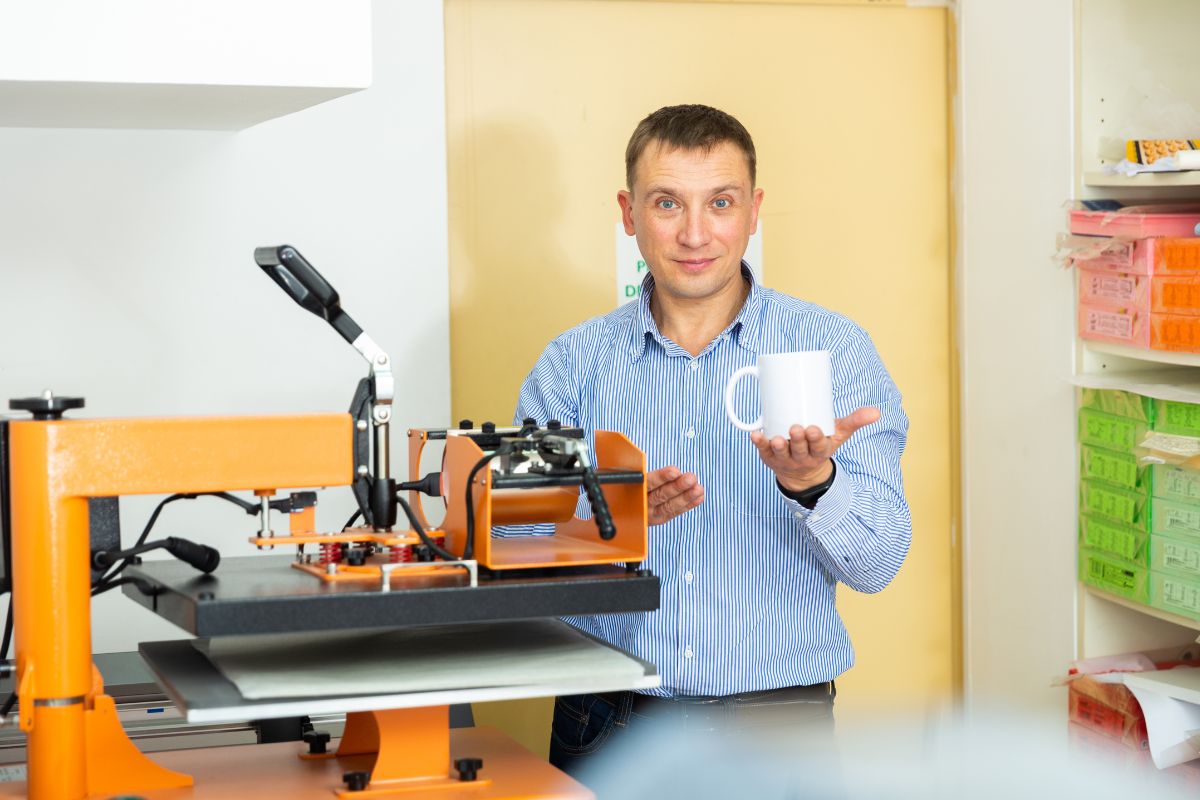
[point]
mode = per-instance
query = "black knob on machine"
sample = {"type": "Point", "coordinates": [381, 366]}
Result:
{"type": "Point", "coordinates": [356, 781]}
{"type": "Point", "coordinates": [46, 407]}
{"type": "Point", "coordinates": [316, 741]}
{"type": "Point", "coordinates": [465, 424]}
{"type": "Point", "coordinates": [468, 768]}
{"type": "Point", "coordinates": [489, 427]}
{"type": "Point", "coordinates": [554, 425]}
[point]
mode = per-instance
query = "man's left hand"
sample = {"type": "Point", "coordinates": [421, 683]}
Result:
{"type": "Point", "coordinates": [802, 459]}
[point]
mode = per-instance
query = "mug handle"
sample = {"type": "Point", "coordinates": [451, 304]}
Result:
{"type": "Point", "coordinates": [729, 387]}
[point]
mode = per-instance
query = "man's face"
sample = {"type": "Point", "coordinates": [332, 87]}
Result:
{"type": "Point", "coordinates": [692, 213]}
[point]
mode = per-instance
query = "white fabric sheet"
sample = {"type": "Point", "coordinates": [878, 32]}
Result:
{"type": "Point", "coordinates": [370, 662]}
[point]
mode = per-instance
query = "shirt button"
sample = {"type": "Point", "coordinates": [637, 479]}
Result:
{"type": "Point", "coordinates": [687, 576]}
{"type": "Point", "coordinates": [687, 653]}
{"type": "Point", "coordinates": [691, 433]}
{"type": "Point", "coordinates": [814, 516]}
{"type": "Point", "coordinates": [799, 515]}
{"type": "Point", "coordinates": [695, 366]}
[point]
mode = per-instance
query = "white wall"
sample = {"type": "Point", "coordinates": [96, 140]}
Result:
{"type": "Point", "coordinates": [1014, 139]}
{"type": "Point", "coordinates": [127, 276]}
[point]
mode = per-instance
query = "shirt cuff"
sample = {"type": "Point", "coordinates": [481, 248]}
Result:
{"type": "Point", "coordinates": [809, 497]}
{"type": "Point", "coordinates": [830, 508]}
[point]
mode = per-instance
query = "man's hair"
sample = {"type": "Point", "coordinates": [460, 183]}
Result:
{"type": "Point", "coordinates": [688, 127]}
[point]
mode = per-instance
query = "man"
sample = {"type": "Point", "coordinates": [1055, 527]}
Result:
{"type": "Point", "coordinates": [749, 536]}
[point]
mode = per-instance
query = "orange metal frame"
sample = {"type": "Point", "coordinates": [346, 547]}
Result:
{"type": "Point", "coordinates": [76, 744]}
{"type": "Point", "coordinates": [575, 541]}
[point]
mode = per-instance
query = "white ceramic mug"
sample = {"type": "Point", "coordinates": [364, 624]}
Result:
{"type": "Point", "coordinates": [795, 389]}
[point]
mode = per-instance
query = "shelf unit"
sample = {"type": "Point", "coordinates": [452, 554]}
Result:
{"type": "Point", "coordinates": [1165, 616]}
{"type": "Point", "coordinates": [1133, 357]}
{"type": "Point", "coordinates": [1146, 180]}
{"type": "Point", "coordinates": [1133, 79]}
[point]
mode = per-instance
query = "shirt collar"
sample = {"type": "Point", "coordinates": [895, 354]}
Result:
{"type": "Point", "coordinates": [744, 329]}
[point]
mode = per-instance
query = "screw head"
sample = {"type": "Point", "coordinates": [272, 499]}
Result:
{"type": "Point", "coordinates": [361, 425]}
{"type": "Point", "coordinates": [362, 470]}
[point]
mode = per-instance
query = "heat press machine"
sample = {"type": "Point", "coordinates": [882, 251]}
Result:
{"type": "Point", "coordinates": [583, 556]}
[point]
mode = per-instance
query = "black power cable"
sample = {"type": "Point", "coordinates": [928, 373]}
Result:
{"type": "Point", "coordinates": [469, 548]}
{"type": "Point", "coordinates": [8, 629]}
{"type": "Point", "coordinates": [355, 517]}
{"type": "Point", "coordinates": [441, 552]}
{"type": "Point", "coordinates": [250, 508]}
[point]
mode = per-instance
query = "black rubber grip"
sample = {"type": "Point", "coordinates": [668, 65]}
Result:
{"type": "Point", "coordinates": [200, 556]}
{"type": "Point", "coordinates": [604, 520]}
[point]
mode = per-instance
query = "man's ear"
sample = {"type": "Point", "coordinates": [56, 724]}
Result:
{"type": "Point", "coordinates": [625, 201]}
{"type": "Point", "coordinates": [758, 198]}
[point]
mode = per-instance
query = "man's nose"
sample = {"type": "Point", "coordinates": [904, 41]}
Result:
{"type": "Point", "coordinates": [695, 230]}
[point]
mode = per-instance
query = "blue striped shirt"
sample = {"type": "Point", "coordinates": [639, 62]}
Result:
{"type": "Point", "coordinates": [748, 577]}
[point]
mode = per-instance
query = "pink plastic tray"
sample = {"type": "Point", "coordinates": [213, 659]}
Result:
{"type": "Point", "coordinates": [1128, 326]}
{"type": "Point", "coordinates": [1138, 221]}
{"type": "Point", "coordinates": [1102, 288]}
{"type": "Point", "coordinates": [1174, 256]}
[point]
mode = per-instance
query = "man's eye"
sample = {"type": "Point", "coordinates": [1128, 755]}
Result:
{"type": "Point", "coordinates": [667, 204]}
{"type": "Point", "coordinates": [721, 202]}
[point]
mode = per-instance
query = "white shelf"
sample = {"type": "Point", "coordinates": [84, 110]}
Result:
{"type": "Point", "coordinates": [1150, 611]}
{"type": "Point", "coordinates": [1146, 180]}
{"type": "Point", "coordinates": [152, 106]}
{"type": "Point", "coordinates": [1140, 354]}
{"type": "Point", "coordinates": [216, 65]}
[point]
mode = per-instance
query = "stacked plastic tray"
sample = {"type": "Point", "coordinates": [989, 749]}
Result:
{"type": "Point", "coordinates": [1139, 275]}
{"type": "Point", "coordinates": [1114, 493]}
{"type": "Point", "coordinates": [1139, 525]}
{"type": "Point", "coordinates": [1175, 519]}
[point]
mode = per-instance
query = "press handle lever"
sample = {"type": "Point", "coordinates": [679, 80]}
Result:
{"type": "Point", "coordinates": [300, 279]}
{"type": "Point", "coordinates": [599, 503]}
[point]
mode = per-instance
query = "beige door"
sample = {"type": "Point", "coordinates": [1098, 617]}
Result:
{"type": "Point", "coordinates": [848, 107]}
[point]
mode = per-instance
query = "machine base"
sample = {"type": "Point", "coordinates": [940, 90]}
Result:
{"type": "Point", "coordinates": [276, 772]}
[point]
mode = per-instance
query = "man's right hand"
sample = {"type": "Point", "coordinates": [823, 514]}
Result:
{"type": "Point", "coordinates": [670, 492]}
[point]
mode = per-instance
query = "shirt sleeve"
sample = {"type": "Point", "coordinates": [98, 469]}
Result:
{"type": "Point", "coordinates": [550, 391]}
{"type": "Point", "coordinates": [861, 528]}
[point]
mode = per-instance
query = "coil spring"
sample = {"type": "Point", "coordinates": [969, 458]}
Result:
{"type": "Point", "coordinates": [331, 553]}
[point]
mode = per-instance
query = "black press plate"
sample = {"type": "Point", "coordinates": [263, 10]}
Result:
{"type": "Point", "coordinates": [264, 594]}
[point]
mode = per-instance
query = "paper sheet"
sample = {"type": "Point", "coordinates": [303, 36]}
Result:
{"type": "Point", "coordinates": [1169, 699]}
{"type": "Point", "coordinates": [370, 662]}
{"type": "Point", "coordinates": [1163, 384]}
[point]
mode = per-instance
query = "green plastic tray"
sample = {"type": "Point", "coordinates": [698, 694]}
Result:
{"type": "Point", "coordinates": [1114, 575]}
{"type": "Point", "coordinates": [1175, 556]}
{"type": "Point", "coordinates": [1099, 499]}
{"type": "Point", "coordinates": [1114, 539]}
{"type": "Point", "coordinates": [1110, 431]}
{"type": "Point", "coordinates": [1118, 403]}
{"type": "Point", "coordinates": [1175, 594]}
{"type": "Point", "coordinates": [1115, 467]}
{"type": "Point", "coordinates": [1175, 483]}
{"type": "Point", "coordinates": [1179, 519]}
{"type": "Point", "coordinates": [1172, 416]}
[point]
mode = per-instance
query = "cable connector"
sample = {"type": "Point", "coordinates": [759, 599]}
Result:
{"type": "Point", "coordinates": [430, 485]}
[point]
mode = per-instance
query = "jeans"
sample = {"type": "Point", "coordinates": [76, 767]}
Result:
{"type": "Point", "coordinates": [585, 724]}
